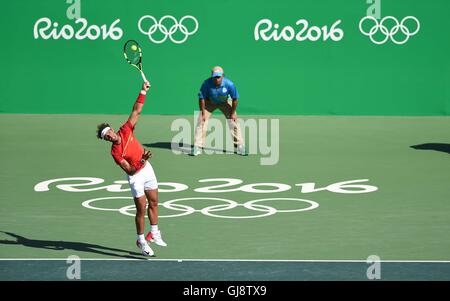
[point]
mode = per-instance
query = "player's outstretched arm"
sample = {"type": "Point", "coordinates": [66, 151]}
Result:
{"type": "Point", "coordinates": [137, 108]}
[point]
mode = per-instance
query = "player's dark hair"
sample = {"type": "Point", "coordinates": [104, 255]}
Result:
{"type": "Point", "coordinates": [100, 128]}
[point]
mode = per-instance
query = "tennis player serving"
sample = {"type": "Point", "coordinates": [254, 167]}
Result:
{"type": "Point", "coordinates": [129, 154]}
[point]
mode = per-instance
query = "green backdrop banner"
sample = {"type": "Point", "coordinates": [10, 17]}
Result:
{"type": "Point", "coordinates": [306, 57]}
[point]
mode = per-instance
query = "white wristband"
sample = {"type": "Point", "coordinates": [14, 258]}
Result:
{"type": "Point", "coordinates": [143, 92]}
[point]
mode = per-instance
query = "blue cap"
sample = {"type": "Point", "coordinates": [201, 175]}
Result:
{"type": "Point", "coordinates": [217, 74]}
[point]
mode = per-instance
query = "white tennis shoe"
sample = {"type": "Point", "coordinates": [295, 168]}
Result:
{"type": "Point", "coordinates": [156, 238]}
{"type": "Point", "coordinates": [195, 151]}
{"type": "Point", "coordinates": [241, 150]}
{"type": "Point", "coordinates": [145, 248]}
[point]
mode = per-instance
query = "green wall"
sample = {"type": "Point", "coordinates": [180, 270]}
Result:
{"type": "Point", "coordinates": [352, 76]}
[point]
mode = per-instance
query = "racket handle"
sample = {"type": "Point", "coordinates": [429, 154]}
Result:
{"type": "Point", "coordinates": [143, 77]}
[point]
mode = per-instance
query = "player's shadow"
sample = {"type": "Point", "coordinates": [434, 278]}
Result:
{"type": "Point", "coordinates": [59, 245]}
{"type": "Point", "coordinates": [440, 147]}
{"type": "Point", "coordinates": [184, 148]}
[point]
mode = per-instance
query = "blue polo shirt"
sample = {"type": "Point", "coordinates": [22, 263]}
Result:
{"type": "Point", "coordinates": [218, 95]}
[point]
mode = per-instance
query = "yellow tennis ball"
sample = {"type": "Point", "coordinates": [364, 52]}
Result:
{"type": "Point", "coordinates": [133, 47]}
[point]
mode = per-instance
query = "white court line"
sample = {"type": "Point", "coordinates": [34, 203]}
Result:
{"type": "Point", "coordinates": [225, 260]}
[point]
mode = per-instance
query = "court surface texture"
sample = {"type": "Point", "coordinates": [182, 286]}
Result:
{"type": "Point", "coordinates": [344, 189]}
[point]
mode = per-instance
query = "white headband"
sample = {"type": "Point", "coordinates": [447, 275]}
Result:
{"type": "Point", "coordinates": [104, 131]}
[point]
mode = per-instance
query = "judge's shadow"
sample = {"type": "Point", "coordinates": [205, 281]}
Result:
{"type": "Point", "coordinates": [59, 245]}
{"type": "Point", "coordinates": [184, 148]}
{"type": "Point", "coordinates": [440, 147]}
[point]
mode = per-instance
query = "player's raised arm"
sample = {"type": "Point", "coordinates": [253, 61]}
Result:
{"type": "Point", "coordinates": [137, 108]}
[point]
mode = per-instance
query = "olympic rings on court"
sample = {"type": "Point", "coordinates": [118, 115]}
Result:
{"type": "Point", "coordinates": [389, 33]}
{"type": "Point", "coordinates": [208, 210]}
{"type": "Point", "coordinates": [158, 25]}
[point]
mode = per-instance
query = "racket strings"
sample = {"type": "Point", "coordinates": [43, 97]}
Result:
{"type": "Point", "coordinates": [132, 52]}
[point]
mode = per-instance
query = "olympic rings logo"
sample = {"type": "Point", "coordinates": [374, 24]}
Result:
{"type": "Point", "coordinates": [389, 33]}
{"type": "Point", "coordinates": [212, 210]}
{"type": "Point", "coordinates": [168, 33]}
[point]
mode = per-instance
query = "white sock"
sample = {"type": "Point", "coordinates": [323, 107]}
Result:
{"type": "Point", "coordinates": [154, 228]}
{"type": "Point", "coordinates": [141, 237]}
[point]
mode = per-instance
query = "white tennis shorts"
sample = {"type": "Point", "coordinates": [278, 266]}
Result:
{"type": "Point", "coordinates": [145, 179]}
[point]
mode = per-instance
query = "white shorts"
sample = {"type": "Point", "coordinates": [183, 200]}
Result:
{"type": "Point", "coordinates": [145, 179]}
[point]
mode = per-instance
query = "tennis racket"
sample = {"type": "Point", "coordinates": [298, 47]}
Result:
{"type": "Point", "coordinates": [133, 54]}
